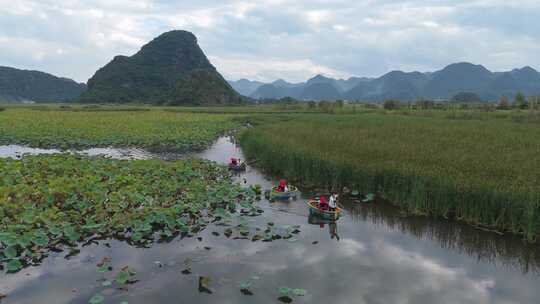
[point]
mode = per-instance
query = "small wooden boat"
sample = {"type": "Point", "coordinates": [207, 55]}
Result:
{"type": "Point", "coordinates": [277, 195]}
{"type": "Point", "coordinates": [327, 215]}
{"type": "Point", "coordinates": [238, 167]}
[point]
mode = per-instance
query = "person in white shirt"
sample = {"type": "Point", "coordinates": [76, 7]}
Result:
{"type": "Point", "coordinates": [333, 202]}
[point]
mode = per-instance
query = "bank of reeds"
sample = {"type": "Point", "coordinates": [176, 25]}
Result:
{"type": "Point", "coordinates": [483, 173]}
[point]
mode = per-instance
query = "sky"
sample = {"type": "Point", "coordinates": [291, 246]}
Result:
{"type": "Point", "coordinates": [270, 39]}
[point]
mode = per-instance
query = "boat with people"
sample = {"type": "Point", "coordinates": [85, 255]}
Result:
{"type": "Point", "coordinates": [283, 191]}
{"type": "Point", "coordinates": [319, 208]}
{"type": "Point", "coordinates": [237, 165]}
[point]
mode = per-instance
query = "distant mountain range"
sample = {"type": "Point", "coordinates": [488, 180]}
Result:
{"type": "Point", "coordinates": [440, 85]}
{"type": "Point", "coordinates": [173, 70]}
{"type": "Point", "coordinates": [33, 86]}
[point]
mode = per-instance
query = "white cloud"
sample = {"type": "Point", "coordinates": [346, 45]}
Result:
{"type": "Point", "coordinates": [275, 39]}
{"type": "Point", "coordinates": [269, 69]}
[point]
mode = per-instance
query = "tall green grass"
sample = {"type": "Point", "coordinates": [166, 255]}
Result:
{"type": "Point", "coordinates": [481, 172]}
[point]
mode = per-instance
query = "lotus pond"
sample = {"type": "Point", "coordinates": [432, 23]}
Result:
{"type": "Point", "coordinates": [150, 231]}
{"type": "Point", "coordinates": [49, 202]}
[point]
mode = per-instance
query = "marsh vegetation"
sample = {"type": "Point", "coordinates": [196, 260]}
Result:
{"type": "Point", "coordinates": [481, 171]}
{"type": "Point", "coordinates": [115, 230]}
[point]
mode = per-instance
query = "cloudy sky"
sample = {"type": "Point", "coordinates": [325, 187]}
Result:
{"type": "Point", "coordinates": [270, 39]}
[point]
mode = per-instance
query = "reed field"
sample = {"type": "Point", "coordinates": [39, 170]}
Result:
{"type": "Point", "coordinates": [484, 172]}
{"type": "Point", "coordinates": [155, 129]}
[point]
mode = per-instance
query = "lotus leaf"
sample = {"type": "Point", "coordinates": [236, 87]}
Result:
{"type": "Point", "coordinates": [96, 299]}
{"type": "Point", "coordinates": [11, 252]}
{"type": "Point", "coordinates": [14, 266]}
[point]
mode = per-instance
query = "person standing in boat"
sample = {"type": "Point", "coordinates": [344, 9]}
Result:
{"type": "Point", "coordinates": [234, 161]}
{"type": "Point", "coordinates": [332, 203]}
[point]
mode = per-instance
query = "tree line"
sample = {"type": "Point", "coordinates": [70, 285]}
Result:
{"type": "Point", "coordinates": [460, 100]}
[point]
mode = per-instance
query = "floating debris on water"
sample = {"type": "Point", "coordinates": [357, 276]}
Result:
{"type": "Point", "coordinates": [246, 292]}
{"type": "Point", "coordinates": [204, 285]}
{"type": "Point", "coordinates": [186, 271]}
{"type": "Point", "coordinates": [285, 299]}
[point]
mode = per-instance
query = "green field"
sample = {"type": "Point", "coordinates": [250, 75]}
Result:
{"type": "Point", "coordinates": [477, 167]}
{"type": "Point", "coordinates": [154, 129]}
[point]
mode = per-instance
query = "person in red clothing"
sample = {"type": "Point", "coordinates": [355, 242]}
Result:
{"type": "Point", "coordinates": [282, 185]}
{"type": "Point", "coordinates": [234, 161]}
{"type": "Point", "coordinates": [323, 204]}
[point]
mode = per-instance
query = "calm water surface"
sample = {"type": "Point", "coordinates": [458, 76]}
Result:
{"type": "Point", "coordinates": [372, 255]}
{"type": "Point", "coordinates": [17, 151]}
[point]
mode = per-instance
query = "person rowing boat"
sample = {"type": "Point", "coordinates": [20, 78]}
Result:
{"type": "Point", "coordinates": [320, 207]}
{"type": "Point", "coordinates": [333, 202]}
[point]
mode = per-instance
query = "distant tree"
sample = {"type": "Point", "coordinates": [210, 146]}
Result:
{"type": "Point", "coordinates": [326, 106]}
{"type": "Point", "coordinates": [520, 101]}
{"type": "Point", "coordinates": [424, 104]}
{"type": "Point", "coordinates": [287, 100]}
{"type": "Point", "coordinates": [504, 103]}
{"type": "Point", "coordinates": [339, 103]}
{"type": "Point", "coordinates": [312, 104]}
{"type": "Point", "coordinates": [534, 102]}
{"type": "Point", "coordinates": [488, 107]}
{"type": "Point", "coordinates": [371, 106]}
{"type": "Point", "coordinates": [391, 104]}
{"type": "Point", "coordinates": [466, 97]}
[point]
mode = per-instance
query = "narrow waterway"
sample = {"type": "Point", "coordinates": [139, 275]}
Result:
{"type": "Point", "coordinates": [371, 255]}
